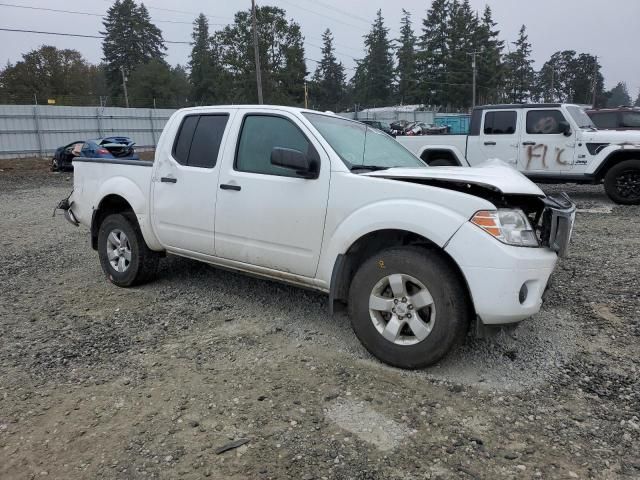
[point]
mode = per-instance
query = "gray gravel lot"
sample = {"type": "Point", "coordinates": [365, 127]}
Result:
{"type": "Point", "coordinates": [101, 382]}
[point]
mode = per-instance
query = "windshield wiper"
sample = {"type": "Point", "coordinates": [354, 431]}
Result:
{"type": "Point", "coordinates": [371, 168]}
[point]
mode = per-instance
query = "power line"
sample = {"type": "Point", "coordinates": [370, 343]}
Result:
{"type": "Point", "coordinates": [90, 14]}
{"type": "Point", "coordinates": [19, 30]}
{"type": "Point", "coordinates": [185, 12]}
{"type": "Point", "coordinates": [351, 15]}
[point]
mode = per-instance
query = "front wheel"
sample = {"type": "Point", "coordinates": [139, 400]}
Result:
{"type": "Point", "coordinates": [622, 182]}
{"type": "Point", "coordinates": [124, 255]}
{"type": "Point", "coordinates": [408, 306]}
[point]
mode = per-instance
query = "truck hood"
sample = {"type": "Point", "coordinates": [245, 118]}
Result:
{"type": "Point", "coordinates": [617, 137]}
{"type": "Point", "coordinates": [492, 174]}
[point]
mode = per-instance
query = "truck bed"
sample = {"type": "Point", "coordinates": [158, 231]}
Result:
{"type": "Point", "coordinates": [417, 144]}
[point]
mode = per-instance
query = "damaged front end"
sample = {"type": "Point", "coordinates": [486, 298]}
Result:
{"type": "Point", "coordinates": [552, 217]}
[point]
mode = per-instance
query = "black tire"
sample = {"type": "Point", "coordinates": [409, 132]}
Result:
{"type": "Point", "coordinates": [449, 294]}
{"type": "Point", "coordinates": [54, 165]}
{"type": "Point", "coordinates": [442, 162]}
{"type": "Point", "coordinates": [143, 263]}
{"type": "Point", "coordinates": [622, 182]}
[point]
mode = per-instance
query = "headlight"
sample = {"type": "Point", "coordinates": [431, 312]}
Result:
{"type": "Point", "coordinates": [509, 225]}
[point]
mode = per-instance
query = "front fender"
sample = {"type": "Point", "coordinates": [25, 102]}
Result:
{"type": "Point", "coordinates": [436, 223]}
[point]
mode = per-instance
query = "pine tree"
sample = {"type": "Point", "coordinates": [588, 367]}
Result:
{"type": "Point", "coordinates": [586, 74]}
{"type": "Point", "coordinates": [328, 84]}
{"type": "Point", "coordinates": [619, 96]}
{"type": "Point", "coordinates": [637, 102]}
{"type": "Point", "coordinates": [206, 72]}
{"type": "Point", "coordinates": [461, 45]}
{"type": "Point", "coordinates": [406, 70]}
{"type": "Point", "coordinates": [519, 76]}
{"type": "Point", "coordinates": [374, 77]}
{"type": "Point", "coordinates": [130, 40]}
{"type": "Point", "coordinates": [432, 60]}
{"type": "Point", "coordinates": [489, 60]}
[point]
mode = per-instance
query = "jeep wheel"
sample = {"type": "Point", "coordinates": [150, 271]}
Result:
{"type": "Point", "coordinates": [622, 182]}
{"type": "Point", "coordinates": [124, 255]}
{"type": "Point", "coordinates": [408, 307]}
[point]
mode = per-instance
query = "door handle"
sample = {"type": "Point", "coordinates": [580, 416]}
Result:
{"type": "Point", "coordinates": [226, 186]}
{"type": "Point", "coordinates": [168, 180]}
{"type": "Point", "coordinates": [528, 143]}
{"type": "Point", "coordinates": [489, 143]}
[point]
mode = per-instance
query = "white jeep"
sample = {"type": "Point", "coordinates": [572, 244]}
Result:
{"type": "Point", "coordinates": [549, 143]}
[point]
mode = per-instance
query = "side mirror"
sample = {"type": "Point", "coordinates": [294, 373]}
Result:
{"type": "Point", "coordinates": [565, 128]}
{"type": "Point", "coordinates": [304, 166]}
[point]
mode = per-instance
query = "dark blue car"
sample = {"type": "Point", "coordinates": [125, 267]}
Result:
{"type": "Point", "coordinates": [108, 147]}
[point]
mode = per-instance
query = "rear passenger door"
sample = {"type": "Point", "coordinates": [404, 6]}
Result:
{"type": "Point", "coordinates": [498, 139]}
{"type": "Point", "coordinates": [184, 192]}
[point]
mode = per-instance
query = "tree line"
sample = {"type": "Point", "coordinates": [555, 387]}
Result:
{"type": "Point", "coordinates": [432, 65]}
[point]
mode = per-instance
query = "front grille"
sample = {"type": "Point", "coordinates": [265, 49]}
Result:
{"type": "Point", "coordinates": [558, 218]}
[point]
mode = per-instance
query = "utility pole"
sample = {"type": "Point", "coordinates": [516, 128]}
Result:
{"type": "Point", "coordinates": [256, 50]}
{"type": "Point", "coordinates": [553, 76]}
{"type": "Point", "coordinates": [124, 87]}
{"type": "Point", "coordinates": [306, 96]}
{"type": "Point", "coordinates": [595, 70]}
{"type": "Point", "coordinates": [474, 65]}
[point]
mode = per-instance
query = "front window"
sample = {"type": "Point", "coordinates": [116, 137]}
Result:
{"type": "Point", "coordinates": [545, 122]}
{"type": "Point", "coordinates": [580, 117]}
{"type": "Point", "coordinates": [361, 146]}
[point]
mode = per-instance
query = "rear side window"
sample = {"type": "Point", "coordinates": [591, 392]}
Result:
{"type": "Point", "coordinates": [198, 141]}
{"type": "Point", "coordinates": [500, 123]}
{"type": "Point", "coordinates": [630, 120]}
{"type": "Point", "coordinates": [260, 135]}
{"type": "Point", "coordinates": [605, 119]}
{"type": "Point", "coordinates": [545, 122]}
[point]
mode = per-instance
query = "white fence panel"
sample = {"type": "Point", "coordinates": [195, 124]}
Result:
{"type": "Point", "coordinates": [37, 130]}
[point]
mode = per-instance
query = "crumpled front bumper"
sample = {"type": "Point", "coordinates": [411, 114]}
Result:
{"type": "Point", "coordinates": [558, 218]}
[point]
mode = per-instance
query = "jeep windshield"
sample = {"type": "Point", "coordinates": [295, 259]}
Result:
{"type": "Point", "coordinates": [580, 117]}
{"type": "Point", "coordinates": [361, 147]}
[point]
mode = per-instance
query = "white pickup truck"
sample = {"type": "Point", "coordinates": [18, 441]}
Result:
{"type": "Point", "coordinates": [416, 253]}
{"type": "Point", "coordinates": [549, 143]}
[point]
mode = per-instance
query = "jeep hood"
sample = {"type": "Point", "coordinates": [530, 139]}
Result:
{"type": "Point", "coordinates": [493, 174]}
{"type": "Point", "coordinates": [613, 137]}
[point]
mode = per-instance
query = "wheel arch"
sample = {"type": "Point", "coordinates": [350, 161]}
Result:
{"type": "Point", "coordinates": [438, 152]}
{"type": "Point", "coordinates": [109, 205]}
{"type": "Point", "coordinates": [613, 159]}
{"type": "Point", "coordinates": [369, 244]}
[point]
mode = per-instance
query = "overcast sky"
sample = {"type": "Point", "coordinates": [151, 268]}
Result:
{"type": "Point", "coordinates": [603, 28]}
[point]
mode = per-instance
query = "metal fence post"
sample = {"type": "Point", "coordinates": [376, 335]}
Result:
{"type": "Point", "coordinates": [99, 119]}
{"type": "Point", "coordinates": [36, 120]}
{"type": "Point", "coordinates": [153, 132]}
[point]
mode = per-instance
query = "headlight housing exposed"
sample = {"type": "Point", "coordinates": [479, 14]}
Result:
{"type": "Point", "coordinates": [509, 225]}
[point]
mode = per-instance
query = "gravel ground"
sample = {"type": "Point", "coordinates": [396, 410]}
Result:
{"type": "Point", "coordinates": [153, 382]}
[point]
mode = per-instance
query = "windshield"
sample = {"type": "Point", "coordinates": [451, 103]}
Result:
{"type": "Point", "coordinates": [580, 117]}
{"type": "Point", "coordinates": [360, 145]}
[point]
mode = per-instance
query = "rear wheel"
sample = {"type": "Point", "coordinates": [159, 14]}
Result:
{"type": "Point", "coordinates": [622, 182]}
{"type": "Point", "coordinates": [124, 255]}
{"type": "Point", "coordinates": [408, 307]}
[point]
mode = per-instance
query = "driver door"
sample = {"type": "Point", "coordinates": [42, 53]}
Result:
{"type": "Point", "coordinates": [266, 215]}
{"type": "Point", "coordinates": [544, 146]}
